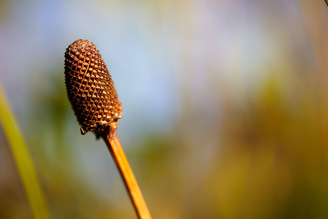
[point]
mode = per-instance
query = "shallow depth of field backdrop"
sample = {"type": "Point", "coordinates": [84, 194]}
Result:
{"type": "Point", "coordinates": [225, 107]}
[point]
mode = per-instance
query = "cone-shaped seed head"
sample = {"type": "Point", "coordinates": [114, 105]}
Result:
{"type": "Point", "coordinates": [90, 88]}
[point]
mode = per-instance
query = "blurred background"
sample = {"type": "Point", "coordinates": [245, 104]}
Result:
{"type": "Point", "coordinates": [225, 107]}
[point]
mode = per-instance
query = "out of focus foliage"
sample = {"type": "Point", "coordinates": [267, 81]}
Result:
{"type": "Point", "coordinates": [246, 136]}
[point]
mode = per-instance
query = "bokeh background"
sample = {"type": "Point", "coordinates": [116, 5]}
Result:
{"type": "Point", "coordinates": [225, 107]}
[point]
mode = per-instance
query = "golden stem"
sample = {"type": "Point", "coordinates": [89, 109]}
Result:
{"type": "Point", "coordinates": [128, 178]}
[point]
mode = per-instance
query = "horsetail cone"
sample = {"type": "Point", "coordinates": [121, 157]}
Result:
{"type": "Point", "coordinates": [90, 89]}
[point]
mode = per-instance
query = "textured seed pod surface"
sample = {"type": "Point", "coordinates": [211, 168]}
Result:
{"type": "Point", "coordinates": [90, 88]}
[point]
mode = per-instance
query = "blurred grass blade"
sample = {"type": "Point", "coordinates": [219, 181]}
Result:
{"type": "Point", "coordinates": [326, 2]}
{"type": "Point", "coordinates": [23, 160]}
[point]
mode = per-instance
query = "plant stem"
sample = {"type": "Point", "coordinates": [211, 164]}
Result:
{"type": "Point", "coordinates": [126, 173]}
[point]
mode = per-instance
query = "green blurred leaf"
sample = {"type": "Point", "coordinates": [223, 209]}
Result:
{"type": "Point", "coordinates": [23, 160]}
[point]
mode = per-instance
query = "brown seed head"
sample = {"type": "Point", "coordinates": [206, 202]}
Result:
{"type": "Point", "coordinates": [90, 88]}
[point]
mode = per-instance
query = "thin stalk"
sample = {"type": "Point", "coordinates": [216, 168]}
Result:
{"type": "Point", "coordinates": [126, 173]}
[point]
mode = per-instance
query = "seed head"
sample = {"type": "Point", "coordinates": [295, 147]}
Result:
{"type": "Point", "coordinates": [90, 88]}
